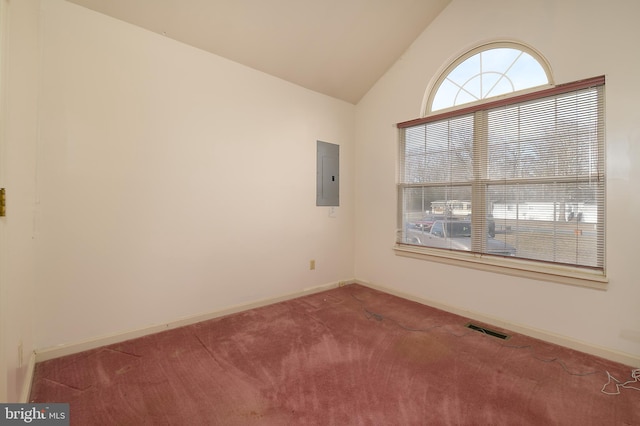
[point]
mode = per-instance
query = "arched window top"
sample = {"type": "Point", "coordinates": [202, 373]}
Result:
{"type": "Point", "coordinates": [488, 71]}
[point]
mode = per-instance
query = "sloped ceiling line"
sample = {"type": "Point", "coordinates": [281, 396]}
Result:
{"type": "Point", "coordinates": [336, 47]}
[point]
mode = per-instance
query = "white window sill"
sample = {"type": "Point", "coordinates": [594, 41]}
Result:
{"type": "Point", "coordinates": [515, 267]}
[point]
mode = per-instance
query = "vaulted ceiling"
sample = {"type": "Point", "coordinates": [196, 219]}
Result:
{"type": "Point", "coordinates": [336, 47]}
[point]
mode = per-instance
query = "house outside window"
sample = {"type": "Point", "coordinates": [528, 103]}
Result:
{"type": "Point", "coordinates": [513, 159]}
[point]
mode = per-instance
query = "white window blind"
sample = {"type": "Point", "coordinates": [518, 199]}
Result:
{"type": "Point", "coordinates": [526, 174]}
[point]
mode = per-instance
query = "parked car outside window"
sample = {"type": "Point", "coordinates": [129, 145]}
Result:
{"type": "Point", "coordinates": [455, 235]}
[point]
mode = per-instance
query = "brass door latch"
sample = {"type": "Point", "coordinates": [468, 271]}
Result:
{"type": "Point", "coordinates": [3, 202]}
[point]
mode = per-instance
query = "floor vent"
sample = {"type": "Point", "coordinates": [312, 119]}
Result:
{"type": "Point", "coordinates": [488, 331]}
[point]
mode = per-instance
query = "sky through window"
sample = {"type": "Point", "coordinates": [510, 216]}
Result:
{"type": "Point", "coordinates": [489, 73]}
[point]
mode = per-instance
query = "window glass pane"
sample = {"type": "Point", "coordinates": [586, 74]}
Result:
{"type": "Point", "coordinates": [551, 137]}
{"type": "Point", "coordinates": [445, 95]}
{"type": "Point", "coordinates": [496, 86]}
{"type": "Point", "coordinates": [527, 72]}
{"type": "Point", "coordinates": [489, 73]}
{"type": "Point", "coordinates": [439, 151]}
{"type": "Point", "coordinates": [499, 59]}
{"type": "Point", "coordinates": [429, 209]}
{"type": "Point", "coordinates": [550, 222]}
{"type": "Point", "coordinates": [469, 93]}
{"type": "Point", "coordinates": [465, 71]}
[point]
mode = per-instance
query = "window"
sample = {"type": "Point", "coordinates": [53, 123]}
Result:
{"type": "Point", "coordinates": [515, 182]}
{"type": "Point", "coordinates": [487, 72]}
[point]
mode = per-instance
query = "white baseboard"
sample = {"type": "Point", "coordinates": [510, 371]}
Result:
{"type": "Point", "coordinates": [72, 348]}
{"type": "Point", "coordinates": [28, 380]}
{"type": "Point", "coordinates": [621, 357]}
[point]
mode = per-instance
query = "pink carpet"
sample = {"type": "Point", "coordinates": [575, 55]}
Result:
{"type": "Point", "coordinates": [348, 356]}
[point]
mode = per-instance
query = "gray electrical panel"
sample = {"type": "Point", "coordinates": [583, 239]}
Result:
{"type": "Point", "coordinates": [328, 175]}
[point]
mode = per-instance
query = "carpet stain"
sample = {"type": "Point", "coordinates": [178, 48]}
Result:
{"type": "Point", "coordinates": [123, 370]}
{"type": "Point", "coordinates": [422, 348]}
{"type": "Point", "coordinates": [255, 414]}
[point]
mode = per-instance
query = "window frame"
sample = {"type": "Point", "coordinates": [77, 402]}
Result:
{"type": "Point", "coordinates": [547, 271]}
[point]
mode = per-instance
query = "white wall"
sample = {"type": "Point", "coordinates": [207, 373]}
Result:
{"type": "Point", "coordinates": [173, 182]}
{"type": "Point", "coordinates": [580, 39]}
{"type": "Point", "coordinates": [17, 175]}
